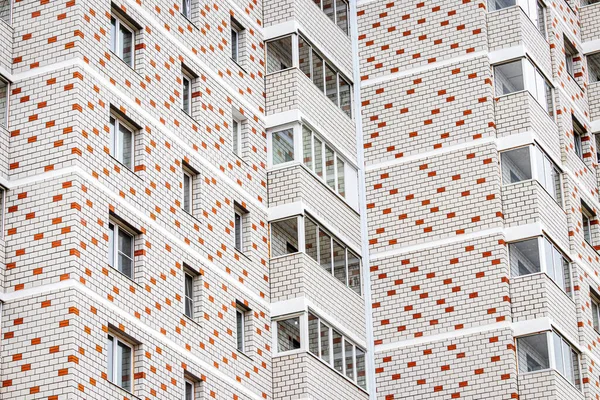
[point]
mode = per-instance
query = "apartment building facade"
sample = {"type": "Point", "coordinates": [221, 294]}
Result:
{"type": "Point", "coordinates": [300, 199]}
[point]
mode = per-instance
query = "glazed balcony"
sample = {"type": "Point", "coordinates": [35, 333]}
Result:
{"type": "Point", "coordinates": [589, 16]}
{"type": "Point", "coordinates": [6, 42]}
{"type": "Point", "coordinates": [594, 100]}
{"type": "Point", "coordinates": [546, 384]}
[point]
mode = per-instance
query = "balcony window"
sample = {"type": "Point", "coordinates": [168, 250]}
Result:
{"type": "Point", "coordinates": [122, 39]}
{"type": "Point", "coordinates": [531, 163]}
{"type": "Point", "coordinates": [537, 255]}
{"type": "Point", "coordinates": [532, 353]}
{"type": "Point", "coordinates": [494, 5]}
{"type": "Point", "coordinates": [288, 334]}
{"type": "Point", "coordinates": [279, 54]}
{"type": "Point", "coordinates": [284, 237]}
{"type": "Point", "coordinates": [337, 11]}
{"type": "Point", "coordinates": [337, 351]}
{"type": "Point", "coordinates": [566, 359]}
{"type": "Point", "coordinates": [589, 2]}
{"type": "Point", "coordinates": [282, 146]}
{"type": "Point", "coordinates": [325, 249]}
{"type": "Point", "coordinates": [5, 11]}
{"type": "Point", "coordinates": [593, 62]}
{"type": "Point", "coordinates": [534, 9]}
{"type": "Point", "coordinates": [521, 75]}
{"type": "Point", "coordinates": [587, 216]}
{"type": "Point", "coordinates": [3, 103]}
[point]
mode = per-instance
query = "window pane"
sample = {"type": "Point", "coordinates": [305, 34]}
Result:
{"type": "Point", "coordinates": [284, 237]}
{"type": "Point", "coordinates": [279, 54]}
{"type": "Point", "coordinates": [549, 253]}
{"type": "Point", "coordinates": [288, 334]}
{"type": "Point", "coordinates": [126, 45]}
{"type": "Point", "coordinates": [330, 167]}
{"type": "Point", "coordinates": [313, 334]}
{"type": "Point", "coordinates": [189, 391]}
{"type": "Point", "coordinates": [361, 376]}
{"type": "Point", "coordinates": [341, 184]}
{"type": "Point", "coordinates": [345, 97]}
{"type": "Point", "coordinates": [113, 137]}
{"type": "Point", "coordinates": [566, 269]}
{"type": "Point", "coordinates": [339, 262]}
{"type": "Point", "coordinates": [3, 102]}
{"type": "Point", "coordinates": [338, 352]}
{"type": "Point", "coordinates": [310, 238]}
{"type": "Point", "coordinates": [524, 257]}
{"type": "Point", "coordinates": [186, 94]}
{"type": "Point", "coordinates": [593, 61]}
{"type": "Point", "coordinates": [559, 272]}
{"type": "Point", "coordinates": [5, 6]}
{"type": "Point", "coordinates": [508, 78]}
{"type": "Point", "coordinates": [317, 70]}
{"type": "Point", "coordinates": [234, 44]}
{"type": "Point", "coordinates": [349, 359]}
{"type": "Point", "coordinates": [238, 231]}
{"type": "Point", "coordinates": [111, 245]}
{"type": "Point", "coordinates": [576, 372]}
{"type": "Point", "coordinates": [325, 250]}
{"type": "Point", "coordinates": [318, 156]}
{"type": "Point", "coordinates": [494, 5]}
{"type": "Point", "coordinates": [595, 314]}
{"type": "Point", "coordinates": [325, 343]}
{"type": "Point", "coordinates": [354, 272]}
{"type": "Point", "coordinates": [304, 51]}
{"type": "Point", "coordinates": [331, 84]}
{"type": "Point", "coordinates": [341, 10]}
{"type": "Point", "coordinates": [123, 366]}
{"type": "Point", "coordinates": [239, 329]}
{"type": "Point", "coordinates": [189, 295]}
{"type": "Point", "coordinates": [111, 358]}
{"type": "Point", "coordinates": [113, 34]}
{"type": "Point", "coordinates": [186, 8]}
{"type": "Point", "coordinates": [125, 253]}
{"type": "Point", "coordinates": [559, 358]}
{"type": "Point", "coordinates": [125, 146]}
{"type": "Point", "coordinates": [568, 362]}
{"type": "Point", "coordinates": [236, 136]}
{"type": "Point", "coordinates": [187, 192]}
{"type": "Point", "coordinates": [328, 9]}
{"type": "Point", "coordinates": [516, 165]}
{"type": "Point", "coordinates": [307, 147]}
{"type": "Point", "coordinates": [532, 353]}
{"type": "Point", "coordinates": [283, 146]}
{"type": "Point", "coordinates": [541, 18]}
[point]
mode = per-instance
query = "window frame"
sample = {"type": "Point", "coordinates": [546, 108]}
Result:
{"type": "Point", "coordinates": [117, 227]}
{"type": "Point", "coordinates": [188, 297]}
{"type": "Point", "coordinates": [587, 214]}
{"type": "Point", "coordinates": [185, 77]}
{"type": "Point", "coordinates": [116, 338]}
{"type": "Point", "coordinates": [571, 52]}
{"type": "Point", "coordinates": [4, 120]}
{"type": "Point", "coordinates": [190, 382]}
{"type": "Point", "coordinates": [115, 144]}
{"type": "Point", "coordinates": [335, 14]}
{"type": "Point", "coordinates": [117, 50]}
{"type": "Point", "coordinates": [242, 214]}
{"type": "Point", "coordinates": [190, 195]}
{"type": "Point", "coordinates": [236, 140]}
{"type": "Point", "coordinates": [240, 328]}
{"type": "Point", "coordinates": [595, 302]}
{"type": "Point", "coordinates": [187, 15]}
{"type": "Point", "coordinates": [10, 13]}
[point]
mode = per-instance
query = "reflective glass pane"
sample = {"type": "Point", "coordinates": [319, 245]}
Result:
{"type": "Point", "coordinates": [508, 78]}
{"type": "Point", "coordinates": [111, 358]}
{"type": "Point", "coordinates": [279, 54]}
{"type": "Point", "coordinates": [325, 250]}
{"type": "Point", "coordinates": [341, 11]}
{"type": "Point", "coordinates": [338, 352]}
{"type": "Point", "coordinates": [317, 71]}
{"type": "Point", "coordinates": [3, 102]}
{"type": "Point", "coordinates": [239, 318]}
{"type": "Point", "coordinates": [559, 358]}
{"type": "Point", "coordinates": [354, 272]}
{"type": "Point", "coordinates": [125, 253]}
{"type": "Point", "coordinates": [126, 45]}
{"type": "Point", "coordinates": [339, 262]}
{"type": "Point", "coordinates": [235, 125]}
{"type": "Point", "coordinates": [330, 167]}
{"type": "Point", "coordinates": [304, 51]}
{"type": "Point", "coordinates": [187, 192]}
{"type": "Point", "coordinates": [361, 374]}
{"type": "Point", "coordinates": [284, 237]}
{"type": "Point", "coordinates": [568, 362]}
{"type": "Point", "coordinates": [341, 183]}
{"type": "Point", "coordinates": [307, 157]}
{"type": "Point", "coordinates": [124, 366]}
{"type": "Point", "coordinates": [325, 343]}
{"type": "Point", "coordinates": [288, 334]}
{"type": "Point", "coordinates": [313, 334]}
{"type": "Point", "coordinates": [494, 5]}
{"type": "Point", "coordinates": [186, 95]}
{"type": "Point", "coordinates": [125, 146]}
{"type": "Point", "coordinates": [318, 151]}
{"type": "Point", "coordinates": [524, 257]}
{"type": "Point", "coordinates": [331, 84]}
{"type": "Point", "coordinates": [345, 97]}
{"type": "Point", "coordinates": [111, 245]}
{"type": "Point", "coordinates": [310, 238]}
{"type": "Point", "coordinates": [516, 165]}
{"type": "Point", "coordinates": [532, 353]}
{"type": "Point", "coordinates": [349, 359]}
{"type": "Point", "coordinates": [113, 34]}
{"type": "Point", "coordinates": [328, 9]}
{"type": "Point", "coordinates": [189, 390]}
{"type": "Point", "coordinates": [283, 146]}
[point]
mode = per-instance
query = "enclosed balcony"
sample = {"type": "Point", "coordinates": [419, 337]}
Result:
{"type": "Point", "coordinates": [6, 35]}
{"type": "Point", "coordinates": [532, 192]}
{"type": "Point", "coordinates": [300, 80]}
{"type": "Point", "coordinates": [520, 23]}
{"type": "Point", "coordinates": [590, 21]}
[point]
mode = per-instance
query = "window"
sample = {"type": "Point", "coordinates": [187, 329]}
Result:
{"type": "Point", "coordinates": [578, 133]}
{"type": "Point", "coordinates": [3, 103]}
{"type": "Point", "coordinates": [186, 8]}
{"type": "Point", "coordinates": [494, 5]}
{"type": "Point", "coordinates": [589, 2]}
{"type": "Point", "coordinates": [237, 41]}
{"type": "Point", "coordinates": [242, 315]}
{"type": "Point", "coordinates": [5, 11]}
{"type": "Point", "coordinates": [284, 237]}
{"type": "Point", "coordinates": [595, 306]}
{"type": "Point", "coordinates": [279, 54]}
{"type": "Point", "coordinates": [188, 184]}
{"type": "Point", "coordinates": [120, 362]}
{"type": "Point", "coordinates": [186, 95]}
{"type": "Point", "coordinates": [288, 334]}
{"type": "Point", "coordinates": [566, 359]}
{"type": "Point", "coordinates": [593, 62]}
{"type": "Point", "coordinates": [240, 228]}
{"type": "Point", "coordinates": [282, 144]}
{"type": "Point", "coordinates": [337, 11]}
{"type": "Point", "coordinates": [336, 350]}
{"type": "Point", "coordinates": [189, 390]}
{"type": "Point", "coordinates": [120, 248]}
{"type": "Point", "coordinates": [516, 165]}
{"type": "Point", "coordinates": [121, 141]}
{"type": "Point", "coordinates": [339, 175]}
{"type": "Point", "coordinates": [534, 9]}
{"type": "Point", "coordinates": [237, 127]}
{"type": "Point", "coordinates": [587, 215]}
{"type": "Point", "coordinates": [537, 255]}
{"type": "Point", "coordinates": [122, 39]}
{"type": "Point", "coordinates": [532, 353]}
{"type": "Point", "coordinates": [189, 294]}
{"type": "Point", "coordinates": [571, 56]}
{"type": "Point", "coordinates": [519, 75]}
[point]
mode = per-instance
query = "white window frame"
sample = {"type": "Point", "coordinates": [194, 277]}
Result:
{"type": "Point", "coordinates": [236, 139]}
{"type": "Point", "coordinates": [10, 13]}
{"type": "Point", "coordinates": [187, 15]}
{"type": "Point", "coordinates": [115, 45]}
{"type": "Point", "coordinates": [190, 195]}
{"type": "Point", "coordinates": [187, 275]}
{"type": "Point", "coordinates": [117, 227]}
{"type": "Point", "coordinates": [4, 121]}
{"type": "Point", "coordinates": [115, 144]}
{"type": "Point", "coordinates": [240, 331]}
{"type": "Point", "coordinates": [586, 214]}
{"type": "Point", "coordinates": [595, 303]}
{"type": "Point", "coordinates": [115, 340]}
{"type": "Point", "coordinates": [241, 215]}
{"type": "Point", "coordinates": [185, 77]}
{"type": "Point", "coordinates": [303, 326]}
{"type": "Point", "coordinates": [235, 38]}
